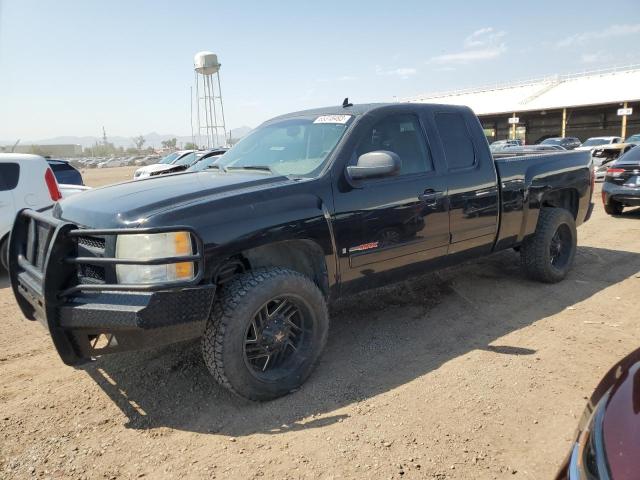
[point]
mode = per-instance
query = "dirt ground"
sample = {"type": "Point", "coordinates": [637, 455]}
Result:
{"type": "Point", "coordinates": [471, 372]}
{"type": "Point", "coordinates": [98, 177]}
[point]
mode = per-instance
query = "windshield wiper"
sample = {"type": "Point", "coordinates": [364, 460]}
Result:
{"type": "Point", "coordinates": [264, 168]}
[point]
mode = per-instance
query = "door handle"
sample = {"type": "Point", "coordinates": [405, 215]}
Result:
{"type": "Point", "coordinates": [430, 197]}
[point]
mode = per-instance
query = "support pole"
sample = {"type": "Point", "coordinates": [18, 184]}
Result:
{"type": "Point", "coordinates": [224, 125]}
{"type": "Point", "coordinates": [624, 124]}
{"type": "Point", "coordinates": [564, 122]}
{"type": "Point", "coordinates": [513, 128]}
{"type": "Point", "coordinates": [193, 138]}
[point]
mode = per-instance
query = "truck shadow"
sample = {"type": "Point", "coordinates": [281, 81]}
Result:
{"type": "Point", "coordinates": [378, 341]}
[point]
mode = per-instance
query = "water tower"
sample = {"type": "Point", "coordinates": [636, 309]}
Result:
{"type": "Point", "coordinates": [209, 111]}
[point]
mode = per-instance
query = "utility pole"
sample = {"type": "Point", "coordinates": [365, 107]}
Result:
{"type": "Point", "coordinates": [624, 123]}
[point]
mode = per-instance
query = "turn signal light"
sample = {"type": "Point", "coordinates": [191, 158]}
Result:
{"type": "Point", "coordinates": [182, 242]}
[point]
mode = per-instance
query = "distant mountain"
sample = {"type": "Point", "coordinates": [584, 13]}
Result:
{"type": "Point", "coordinates": [153, 139]}
{"type": "Point", "coordinates": [237, 133]}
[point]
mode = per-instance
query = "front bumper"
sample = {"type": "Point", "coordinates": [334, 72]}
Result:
{"type": "Point", "coordinates": [96, 318]}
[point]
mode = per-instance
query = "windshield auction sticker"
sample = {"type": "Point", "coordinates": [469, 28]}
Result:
{"type": "Point", "coordinates": [332, 119]}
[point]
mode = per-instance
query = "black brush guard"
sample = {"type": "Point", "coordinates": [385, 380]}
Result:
{"type": "Point", "coordinates": [90, 319]}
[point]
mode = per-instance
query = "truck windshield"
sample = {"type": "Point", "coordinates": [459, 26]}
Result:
{"type": "Point", "coordinates": [296, 147]}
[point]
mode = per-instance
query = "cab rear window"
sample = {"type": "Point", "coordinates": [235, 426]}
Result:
{"type": "Point", "coordinates": [456, 141]}
{"type": "Point", "coordinates": [9, 175]}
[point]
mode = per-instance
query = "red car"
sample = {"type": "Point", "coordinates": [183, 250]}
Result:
{"type": "Point", "coordinates": [607, 444]}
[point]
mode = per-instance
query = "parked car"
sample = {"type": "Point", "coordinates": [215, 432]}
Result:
{"type": "Point", "coordinates": [113, 162]}
{"type": "Point", "coordinates": [26, 181]}
{"type": "Point", "coordinates": [622, 183]}
{"type": "Point", "coordinates": [148, 160]}
{"type": "Point", "coordinates": [64, 172]}
{"type": "Point", "coordinates": [609, 153]}
{"type": "Point", "coordinates": [499, 145]}
{"type": "Point", "coordinates": [593, 142]}
{"type": "Point", "coordinates": [207, 160]}
{"type": "Point", "coordinates": [633, 139]}
{"type": "Point", "coordinates": [512, 149]}
{"type": "Point", "coordinates": [568, 143]}
{"type": "Point", "coordinates": [181, 164]}
{"type": "Point", "coordinates": [607, 440]}
{"type": "Point", "coordinates": [308, 207]}
{"type": "Point", "coordinates": [164, 164]}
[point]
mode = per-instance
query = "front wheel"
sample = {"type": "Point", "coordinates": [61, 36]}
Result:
{"type": "Point", "coordinates": [266, 332]}
{"type": "Point", "coordinates": [548, 254]}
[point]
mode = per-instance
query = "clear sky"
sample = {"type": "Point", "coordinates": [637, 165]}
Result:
{"type": "Point", "coordinates": [68, 67]}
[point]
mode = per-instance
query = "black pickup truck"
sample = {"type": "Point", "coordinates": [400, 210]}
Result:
{"type": "Point", "coordinates": [309, 207]}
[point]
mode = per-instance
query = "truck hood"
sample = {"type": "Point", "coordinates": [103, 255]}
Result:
{"type": "Point", "coordinates": [130, 204]}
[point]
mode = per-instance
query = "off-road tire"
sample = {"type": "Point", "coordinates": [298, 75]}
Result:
{"type": "Point", "coordinates": [614, 208]}
{"type": "Point", "coordinates": [535, 255]}
{"type": "Point", "coordinates": [237, 302]}
{"type": "Point", "coordinates": [4, 253]}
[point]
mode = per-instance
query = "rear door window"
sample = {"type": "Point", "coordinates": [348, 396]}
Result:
{"type": "Point", "coordinates": [456, 140]}
{"type": "Point", "coordinates": [9, 175]}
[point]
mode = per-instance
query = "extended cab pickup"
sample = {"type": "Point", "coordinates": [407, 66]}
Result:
{"type": "Point", "coordinates": [308, 207]}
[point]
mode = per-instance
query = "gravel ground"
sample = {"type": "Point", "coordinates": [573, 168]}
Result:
{"type": "Point", "coordinates": [471, 372]}
{"type": "Point", "coordinates": [98, 177]}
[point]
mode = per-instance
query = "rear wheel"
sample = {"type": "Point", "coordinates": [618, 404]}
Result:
{"type": "Point", "coordinates": [613, 208]}
{"type": "Point", "coordinates": [266, 331]}
{"type": "Point", "coordinates": [4, 253]}
{"type": "Point", "coordinates": [548, 254]}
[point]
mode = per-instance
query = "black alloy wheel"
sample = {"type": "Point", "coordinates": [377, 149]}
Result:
{"type": "Point", "coordinates": [276, 336]}
{"type": "Point", "coordinates": [560, 246]}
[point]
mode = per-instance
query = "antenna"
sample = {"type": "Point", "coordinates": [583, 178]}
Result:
{"type": "Point", "coordinates": [208, 98]}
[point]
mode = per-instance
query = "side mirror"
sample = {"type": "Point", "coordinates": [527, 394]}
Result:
{"type": "Point", "coordinates": [381, 163]}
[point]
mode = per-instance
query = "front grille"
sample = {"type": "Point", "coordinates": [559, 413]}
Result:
{"type": "Point", "coordinates": [90, 246]}
{"type": "Point", "coordinates": [92, 242]}
{"type": "Point", "coordinates": [38, 237]}
{"type": "Point", "coordinates": [91, 273]}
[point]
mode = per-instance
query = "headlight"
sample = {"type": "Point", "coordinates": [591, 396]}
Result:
{"type": "Point", "coordinates": [588, 458]}
{"type": "Point", "coordinates": [142, 246]}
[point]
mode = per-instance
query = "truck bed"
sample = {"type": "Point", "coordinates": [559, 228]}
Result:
{"type": "Point", "coordinates": [525, 179]}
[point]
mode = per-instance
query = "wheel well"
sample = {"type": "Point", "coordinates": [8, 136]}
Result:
{"type": "Point", "coordinates": [566, 198]}
{"type": "Point", "coordinates": [4, 241]}
{"type": "Point", "coordinates": [303, 256]}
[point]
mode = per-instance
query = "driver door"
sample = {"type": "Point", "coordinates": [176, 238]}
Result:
{"type": "Point", "coordinates": [387, 228]}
